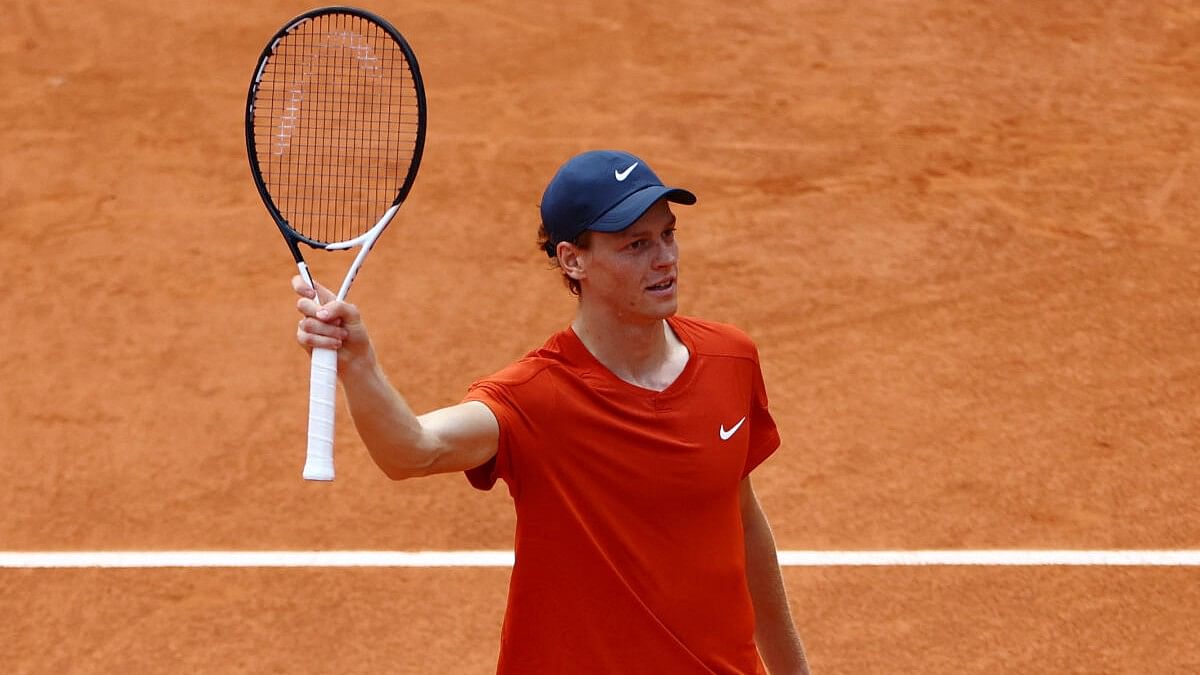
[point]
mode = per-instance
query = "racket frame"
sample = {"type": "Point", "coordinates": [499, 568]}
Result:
{"type": "Point", "coordinates": [323, 377]}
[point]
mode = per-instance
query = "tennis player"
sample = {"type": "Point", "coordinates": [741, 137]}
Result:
{"type": "Point", "coordinates": [626, 441]}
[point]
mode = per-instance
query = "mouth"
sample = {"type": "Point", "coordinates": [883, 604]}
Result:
{"type": "Point", "coordinates": [662, 286]}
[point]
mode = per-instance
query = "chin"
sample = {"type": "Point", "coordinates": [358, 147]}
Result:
{"type": "Point", "coordinates": [665, 310]}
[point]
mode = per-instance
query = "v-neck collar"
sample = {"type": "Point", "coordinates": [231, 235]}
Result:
{"type": "Point", "coordinates": [586, 358]}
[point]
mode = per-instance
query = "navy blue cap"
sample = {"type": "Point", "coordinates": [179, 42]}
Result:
{"type": "Point", "coordinates": [603, 191]}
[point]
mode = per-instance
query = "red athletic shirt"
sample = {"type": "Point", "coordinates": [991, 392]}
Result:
{"type": "Point", "coordinates": [629, 549]}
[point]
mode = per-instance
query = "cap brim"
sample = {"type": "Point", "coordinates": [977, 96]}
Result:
{"type": "Point", "coordinates": [632, 207]}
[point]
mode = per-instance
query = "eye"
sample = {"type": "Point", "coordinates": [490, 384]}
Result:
{"type": "Point", "coordinates": [669, 234]}
{"type": "Point", "coordinates": [637, 244]}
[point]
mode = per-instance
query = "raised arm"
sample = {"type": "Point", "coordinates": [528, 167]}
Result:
{"type": "Point", "coordinates": [402, 444]}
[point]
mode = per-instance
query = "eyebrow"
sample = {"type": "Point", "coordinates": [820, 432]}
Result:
{"type": "Point", "coordinates": [631, 233]}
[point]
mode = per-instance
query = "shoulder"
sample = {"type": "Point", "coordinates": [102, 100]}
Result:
{"type": "Point", "coordinates": [530, 369]}
{"type": "Point", "coordinates": [712, 338]}
{"type": "Point", "coordinates": [519, 373]}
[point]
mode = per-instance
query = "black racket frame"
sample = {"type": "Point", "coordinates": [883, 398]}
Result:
{"type": "Point", "coordinates": [293, 237]}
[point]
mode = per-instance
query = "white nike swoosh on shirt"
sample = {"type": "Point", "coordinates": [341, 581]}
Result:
{"type": "Point", "coordinates": [622, 175]}
{"type": "Point", "coordinates": [726, 435]}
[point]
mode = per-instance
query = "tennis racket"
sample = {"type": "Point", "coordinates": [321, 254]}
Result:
{"type": "Point", "coordinates": [335, 128]}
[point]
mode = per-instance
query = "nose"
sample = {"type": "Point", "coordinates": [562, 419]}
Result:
{"type": "Point", "coordinates": [668, 254]}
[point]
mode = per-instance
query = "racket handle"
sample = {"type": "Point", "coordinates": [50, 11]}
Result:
{"type": "Point", "coordinates": [322, 393]}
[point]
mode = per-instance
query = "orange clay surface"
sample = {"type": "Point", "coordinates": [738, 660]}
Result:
{"type": "Point", "coordinates": [964, 234]}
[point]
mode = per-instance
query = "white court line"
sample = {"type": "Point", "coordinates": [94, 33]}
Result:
{"type": "Point", "coordinates": [149, 559]}
{"type": "Point", "coordinates": [1035, 557]}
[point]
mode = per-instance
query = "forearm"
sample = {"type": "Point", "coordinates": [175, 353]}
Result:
{"type": "Point", "coordinates": [402, 444]}
{"type": "Point", "coordinates": [405, 445]}
{"type": "Point", "coordinates": [387, 425]}
{"type": "Point", "coordinates": [775, 632]}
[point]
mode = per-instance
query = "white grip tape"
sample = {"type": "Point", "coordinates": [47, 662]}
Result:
{"type": "Point", "coordinates": [322, 393]}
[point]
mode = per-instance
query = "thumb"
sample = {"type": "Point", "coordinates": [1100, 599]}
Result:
{"type": "Point", "coordinates": [338, 312]}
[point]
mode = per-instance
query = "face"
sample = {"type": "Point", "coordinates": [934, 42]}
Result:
{"type": "Point", "coordinates": [634, 272]}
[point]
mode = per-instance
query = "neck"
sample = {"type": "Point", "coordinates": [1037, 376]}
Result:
{"type": "Point", "coordinates": [645, 353]}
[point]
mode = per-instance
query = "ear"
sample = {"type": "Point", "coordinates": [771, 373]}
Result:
{"type": "Point", "coordinates": [572, 260]}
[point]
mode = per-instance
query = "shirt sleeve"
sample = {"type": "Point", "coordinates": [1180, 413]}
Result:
{"type": "Point", "coordinates": [764, 435]}
{"type": "Point", "coordinates": [497, 398]}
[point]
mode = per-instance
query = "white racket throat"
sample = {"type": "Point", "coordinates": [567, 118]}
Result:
{"type": "Point", "coordinates": [366, 241]}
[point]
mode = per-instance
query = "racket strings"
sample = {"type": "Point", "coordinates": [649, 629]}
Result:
{"type": "Point", "coordinates": [336, 125]}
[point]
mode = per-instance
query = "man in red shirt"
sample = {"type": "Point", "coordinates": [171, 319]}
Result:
{"type": "Point", "coordinates": [626, 442]}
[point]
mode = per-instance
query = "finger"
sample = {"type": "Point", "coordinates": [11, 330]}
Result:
{"type": "Point", "coordinates": [324, 295]}
{"type": "Point", "coordinates": [307, 306]}
{"type": "Point", "coordinates": [320, 293]}
{"type": "Point", "coordinates": [333, 311]}
{"type": "Point", "coordinates": [323, 328]}
{"type": "Point", "coordinates": [302, 288]}
{"type": "Point", "coordinates": [337, 312]}
{"type": "Point", "coordinates": [309, 341]}
{"type": "Point", "coordinates": [311, 333]}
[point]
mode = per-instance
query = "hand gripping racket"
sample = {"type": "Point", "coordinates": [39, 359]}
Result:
{"type": "Point", "coordinates": [335, 128]}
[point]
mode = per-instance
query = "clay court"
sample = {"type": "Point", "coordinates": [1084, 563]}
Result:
{"type": "Point", "coordinates": [964, 235]}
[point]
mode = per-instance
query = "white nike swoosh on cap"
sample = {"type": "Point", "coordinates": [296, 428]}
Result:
{"type": "Point", "coordinates": [622, 175]}
{"type": "Point", "coordinates": [726, 435]}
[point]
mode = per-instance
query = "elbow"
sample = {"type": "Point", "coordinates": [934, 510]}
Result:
{"type": "Point", "coordinates": [399, 473]}
{"type": "Point", "coordinates": [398, 469]}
